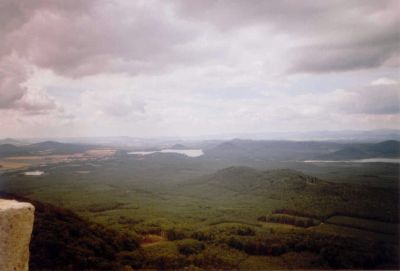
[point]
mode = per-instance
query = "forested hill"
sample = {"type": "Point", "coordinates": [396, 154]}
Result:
{"type": "Point", "coordinates": [389, 149]}
{"type": "Point", "coordinates": [298, 191]}
{"type": "Point", "coordinates": [249, 180]}
{"type": "Point", "coordinates": [61, 240]}
{"type": "Point", "coordinates": [238, 150]}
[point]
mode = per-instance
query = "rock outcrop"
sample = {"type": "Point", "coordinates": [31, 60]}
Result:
{"type": "Point", "coordinates": [16, 223]}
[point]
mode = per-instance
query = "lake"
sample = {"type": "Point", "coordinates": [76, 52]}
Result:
{"type": "Point", "coordinates": [187, 152]}
{"type": "Point", "coordinates": [34, 173]}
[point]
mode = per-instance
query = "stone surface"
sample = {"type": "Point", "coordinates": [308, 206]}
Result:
{"type": "Point", "coordinates": [16, 223]}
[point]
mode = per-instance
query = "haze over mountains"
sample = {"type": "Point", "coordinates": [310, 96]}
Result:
{"type": "Point", "coordinates": [345, 135]}
{"type": "Point", "coordinates": [43, 148]}
{"type": "Point", "coordinates": [238, 149]}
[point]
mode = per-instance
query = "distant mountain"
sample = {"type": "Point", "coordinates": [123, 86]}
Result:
{"type": "Point", "coordinates": [116, 141]}
{"type": "Point", "coordinates": [59, 148]}
{"type": "Point", "coordinates": [178, 147]}
{"type": "Point", "coordinates": [341, 135]}
{"type": "Point", "coordinates": [47, 147]}
{"type": "Point", "coordinates": [239, 149]}
{"type": "Point", "coordinates": [10, 150]}
{"type": "Point", "coordinates": [14, 142]}
{"type": "Point", "coordinates": [346, 135]}
{"type": "Point", "coordinates": [228, 146]}
{"type": "Point", "coordinates": [386, 149]}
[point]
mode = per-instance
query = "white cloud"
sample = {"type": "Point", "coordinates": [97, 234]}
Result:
{"type": "Point", "coordinates": [384, 81]}
{"type": "Point", "coordinates": [114, 104]}
{"type": "Point", "coordinates": [36, 101]}
{"type": "Point", "coordinates": [12, 73]}
{"type": "Point", "coordinates": [381, 99]}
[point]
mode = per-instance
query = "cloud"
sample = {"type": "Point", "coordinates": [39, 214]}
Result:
{"type": "Point", "coordinates": [353, 52]}
{"type": "Point", "coordinates": [384, 81]}
{"type": "Point", "coordinates": [103, 37]}
{"type": "Point", "coordinates": [134, 37]}
{"type": "Point", "coordinates": [113, 104]}
{"type": "Point", "coordinates": [191, 67]}
{"type": "Point", "coordinates": [36, 101]}
{"type": "Point", "coordinates": [15, 95]}
{"type": "Point", "coordinates": [12, 73]}
{"type": "Point", "coordinates": [382, 99]}
{"type": "Point", "coordinates": [16, 68]}
{"type": "Point", "coordinates": [325, 36]}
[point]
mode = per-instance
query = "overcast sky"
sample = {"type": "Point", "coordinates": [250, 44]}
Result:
{"type": "Point", "coordinates": [189, 68]}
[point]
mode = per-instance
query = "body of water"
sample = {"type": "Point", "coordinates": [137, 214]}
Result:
{"type": "Point", "coordinates": [34, 173]}
{"type": "Point", "coordinates": [188, 152]}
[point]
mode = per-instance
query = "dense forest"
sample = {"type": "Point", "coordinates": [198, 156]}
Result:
{"type": "Point", "coordinates": [230, 208]}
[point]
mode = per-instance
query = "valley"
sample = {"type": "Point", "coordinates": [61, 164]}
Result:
{"type": "Point", "coordinates": [242, 204]}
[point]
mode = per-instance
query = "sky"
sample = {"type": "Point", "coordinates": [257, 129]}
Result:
{"type": "Point", "coordinates": [197, 67]}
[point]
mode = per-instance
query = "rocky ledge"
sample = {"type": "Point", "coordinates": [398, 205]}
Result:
{"type": "Point", "coordinates": [16, 223]}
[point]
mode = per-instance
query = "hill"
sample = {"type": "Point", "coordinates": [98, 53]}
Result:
{"type": "Point", "coordinates": [11, 150]}
{"type": "Point", "coordinates": [239, 149]}
{"type": "Point", "coordinates": [178, 147]}
{"type": "Point", "coordinates": [13, 141]}
{"type": "Point", "coordinates": [387, 149]}
{"type": "Point", "coordinates": [46, 147]}
{"type": "Point", "coordinates": [294, 190]}
{"type": "Point", "coordinates": [249, 180]}
{"type": "Point", "coordinates": [58, 148]}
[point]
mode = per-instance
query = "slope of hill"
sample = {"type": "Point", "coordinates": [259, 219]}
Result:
{"type": "Point", "coordinates": [211, 222]}
{"type": "Point", "coordinates": [246, 179]}
{"type": "Point", "coordinates": [47, 147]}
{"type": "Point", "coordinates": [387, 148]}
{"type": "Point", "coordinates": [178, 147]}
{"type": "Point", "coordinates": [285, 188]}
{"type": "Point", "coordinates": [58, 148]}
{"type": "Point", "coordinates": [390, 148]}
{"type": "Point", "coordinates": [267, 150]}
{"type": "Point", "coordinates": [243, 150]}
{"type": "Point", "coordinates": [13, 141]}
{"type": "Point", "coordinates": [9, 150]}
{"type": "Point", "coordinates": [61, 240]}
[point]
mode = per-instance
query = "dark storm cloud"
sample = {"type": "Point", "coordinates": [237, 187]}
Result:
{"type": "Point", "coordinates": [103, 37]}
{"type": "Point", "coordinates": [80, 38]}
{"type": "Point", "coordinates": [14, 70]}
